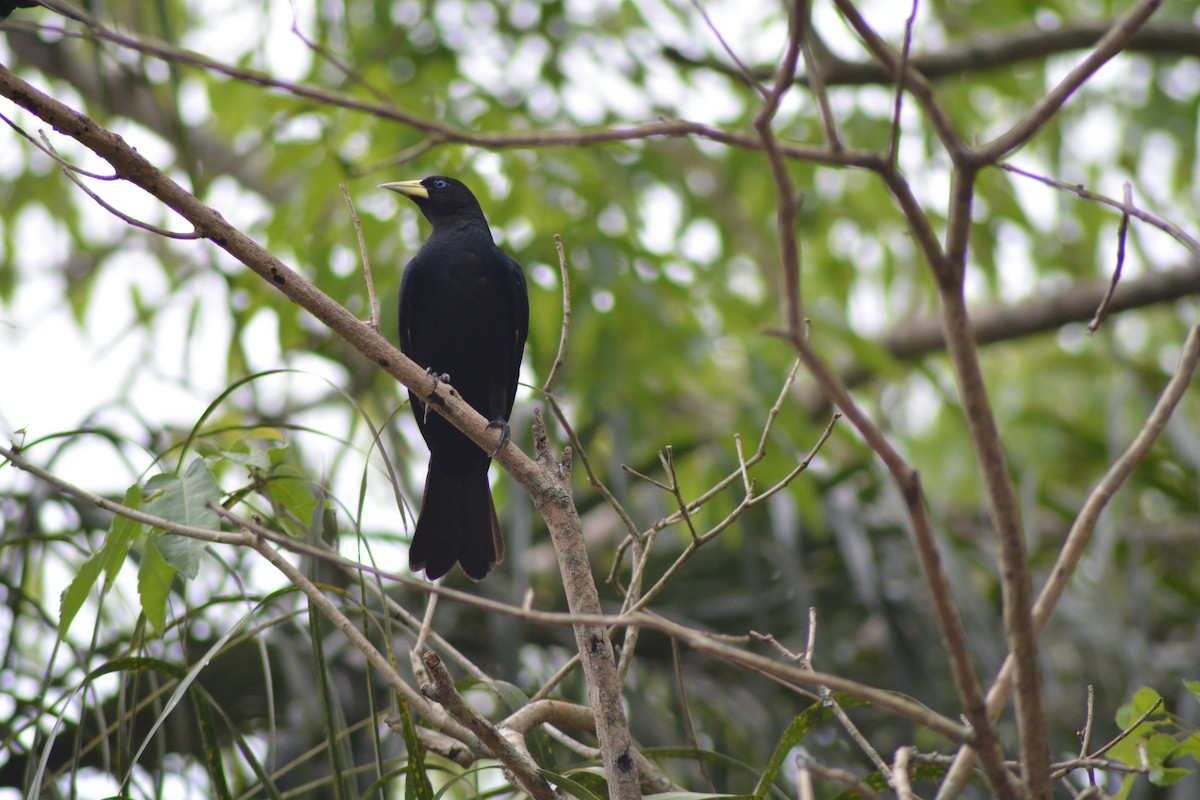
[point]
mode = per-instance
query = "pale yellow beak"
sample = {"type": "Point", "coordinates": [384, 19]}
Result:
{"type": "Point", "coordinates": [407, 188]}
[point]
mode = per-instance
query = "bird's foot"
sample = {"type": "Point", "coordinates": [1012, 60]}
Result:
{"type": "Point", "coordinates": [438, 379]}
{"type": "Point", "coordinates": [505, 434]}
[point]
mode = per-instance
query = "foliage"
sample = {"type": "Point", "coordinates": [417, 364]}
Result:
{"type": "Point", "coordinates": [165, 376]}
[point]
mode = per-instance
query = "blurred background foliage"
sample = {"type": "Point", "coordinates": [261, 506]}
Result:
{"type": "Point", "coordinates": [672, 250]}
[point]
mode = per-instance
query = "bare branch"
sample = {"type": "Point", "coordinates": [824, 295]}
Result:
{"type": "Point", "coordinates": [906, 76]}
{"type": "Point", "coordinates": [987, 51]}
{"type": "Point", "coordinates": [516, 759]}
{"type": "Point", "coordinates": [787, 208]}
{"type": "Point", "coordinates": [1109, 45]}
{"type": "Point", "coordinates": [1082, 529]}
{"type": "Point", "coordinates": [945, 610]}
{"type": "Point", "coordinates": [898, 103]}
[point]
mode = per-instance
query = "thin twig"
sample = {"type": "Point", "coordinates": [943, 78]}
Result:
{"type": "Point", "coordinates": [1122, 232]}
{"type": "Point", "coordinates": [814, 74]}
{"type": "Point", "coordinates": [50, 151]}
{"type": "Point", "coordinates": [900, 778]}
{"type": "Point", "coordinates": [1110, 44]}
{"type": "Point", "coordinates": [667, 458]}
{"type": "Point", "coordinates": [912, 80]}
{"type": "Point", "coordinates": [746, 502]}
{"type": "Point", "coordinates": [747, 484]}
{"type": "Point", "coordinates": [945, 610]}
{"type": "Point", "coordinates": [517, 760]}
{"type": "Point", "coordinates": [759, 454]}
{"type": "Point", "coordinates": [1085, 737]}
{"type": "Point", "coordinates": [685, 713]}
{"type": "Point", "coordinates": [1133, 726]}
{"type": "Point", "coordinates": [422, 634]}
{"type": "Point", "coordinates": [898, 102]}
{"type": "Point", "coordinates": [373, 301]}
{"type": "Point", "coordinates": [73, 173]}
{"type": "Point", "coordinates": [743, 70]}
{"type": "Point", "coordinates": [329, 57]}
{"type": "Point", "coordinates": [1079, 190]}
{"type": "Point", "coordinates": [548, 386]}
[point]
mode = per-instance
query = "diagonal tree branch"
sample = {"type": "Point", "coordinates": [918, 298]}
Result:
{"type": "Point", "coordinates": [543, 486]}
{"type": "Point", "coordinates": [985, 52]}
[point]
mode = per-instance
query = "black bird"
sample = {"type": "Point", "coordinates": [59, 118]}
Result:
{"type": "Point", "coordinates": [464, 315]}
{"type": "Point", "coordinates": [9, 6]}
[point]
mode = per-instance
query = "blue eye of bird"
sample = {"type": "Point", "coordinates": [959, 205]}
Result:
{"type": "Point", "coordinates": [439, 184]}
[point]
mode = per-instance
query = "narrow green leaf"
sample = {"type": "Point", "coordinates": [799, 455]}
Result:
{"type": "Point", "coordinates": [120, 537]}
{"type": "Point", "coordinates": [699, 796]}
{"type": "Point", "coordinates": [154, 585]}
{"type": "Point", "coordinates": [582, 784]}
{"type": "Point", "coordinates": [418, 786]}
{"type": "Point", "coordinates": [800, 727]}
{"type": "Point", "coordinates": [76, 593]}
{"type": "Point", "coordinates": [211, 747]}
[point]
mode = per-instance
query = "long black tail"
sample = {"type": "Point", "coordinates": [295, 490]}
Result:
{"type": "Point", "coordinates": [457, 523]}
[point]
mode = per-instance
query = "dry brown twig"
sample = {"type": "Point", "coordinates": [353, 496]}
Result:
{"type": "Point", "coordinates": [511, 751]}
{"type": "Point", "coordinates": [1122, 232]}
{"type": "Point", "coordinates": [372, 300]}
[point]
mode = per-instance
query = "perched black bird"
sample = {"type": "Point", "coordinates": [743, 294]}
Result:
{"type": "Point", "coordinates": [9, 6]}
{"type": "Point", "coordinates": [464, 314]}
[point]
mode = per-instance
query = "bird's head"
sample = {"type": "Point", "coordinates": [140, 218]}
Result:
{"type": "Point", "coordinates": [441, 199]}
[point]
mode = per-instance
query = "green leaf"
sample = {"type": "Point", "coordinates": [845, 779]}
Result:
{"type": "Point", "coordinates": [584, 784]}
{"type": "Point", "coordinates": [697, 796]}
{"type": "Point", "coordinates": [801, 726]}
{"type": "Point", "coordinates": [418, 786]}
{"type": "Point", "coordinates": [120, 537]}
{"type": "Point", "coordinates": [1159, 748]}
{"type": "Point", "coordinates": [211, 747]}
{"type": "Point", "coordinates": [1165, 776]}
{"type": "Point", "coordinates": [1194, 688]}
{"type": "Point", "coordinates": [187, 501]}
{"type": "Point", "coordinates": [154, 585]}
{"type": "Point", "coordinates": [77, 592]}
{"type": "Point", "coordinates": [108, 559]}
{"type": "Point", "coordinates": [293, 494]}
{"type": "Point", "coordinates": [1189, 746]}
{"type": "Point", "coordinates": [1143, 700]}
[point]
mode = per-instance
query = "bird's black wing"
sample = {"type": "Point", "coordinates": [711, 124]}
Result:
{"type": "Point", "coordinates": [405, 312]}
{"type": "Point", "coordinates": [520, 301]}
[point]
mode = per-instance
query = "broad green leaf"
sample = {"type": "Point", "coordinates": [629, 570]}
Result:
{"type": "Point", "coordinates": [1166, 776]}
{"type": "Point", "coordinates": [188, 501]}
{"type": "Point", "coordinates": [1143, 700]}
